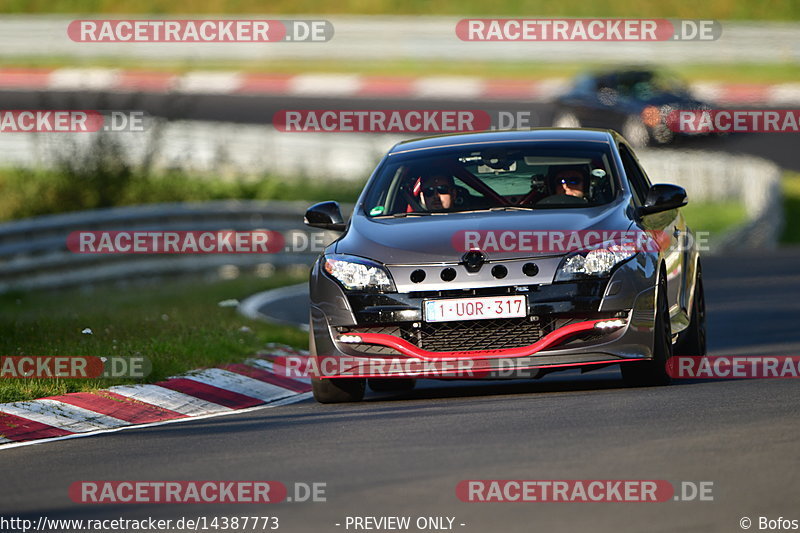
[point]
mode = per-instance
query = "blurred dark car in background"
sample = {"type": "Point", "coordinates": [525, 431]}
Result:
{"type": "Point", "coordinates": [633, 101]}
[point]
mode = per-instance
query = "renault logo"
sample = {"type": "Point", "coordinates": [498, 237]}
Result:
{"type": "Point", "coordinates": [473, 260]}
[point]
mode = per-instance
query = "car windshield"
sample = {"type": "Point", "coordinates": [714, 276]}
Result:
{"type": "Point", "coordinates": [487, 178]}
{"type": "Point", "coordinates": [644, 85]}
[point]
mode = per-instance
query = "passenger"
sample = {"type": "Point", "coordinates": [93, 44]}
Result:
{"type": "Point", "coordinates": [571, 182]}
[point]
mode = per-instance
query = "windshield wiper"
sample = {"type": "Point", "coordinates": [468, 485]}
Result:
{"type": "Point", "coordinates": [511, 208]}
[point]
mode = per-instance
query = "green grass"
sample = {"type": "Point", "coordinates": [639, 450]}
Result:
{"type": "Point", "coordinates": [716, 9]}
{"type": "Point", "coordinates": [519, 70]}
{"type": "Point", "coordinates": [177, 325]}
{"type": "Point", "coordinates": [715, 218]}
{"type": "Point", "coordinates": [27, 193]}
{"type": "Point", "coordinates": [791, 208]}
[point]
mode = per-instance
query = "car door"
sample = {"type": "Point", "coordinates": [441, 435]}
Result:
{"type": "Point", "coordinates": [671, 225]}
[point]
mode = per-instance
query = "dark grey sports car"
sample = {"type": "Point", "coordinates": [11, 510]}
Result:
{"type": "Point", "coordinates": [504, 254]}
{"type": "Point", "coordinates": [636, 101]}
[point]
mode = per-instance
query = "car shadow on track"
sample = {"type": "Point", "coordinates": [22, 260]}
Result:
{"type": "Point", "coordinates": [565, 382]}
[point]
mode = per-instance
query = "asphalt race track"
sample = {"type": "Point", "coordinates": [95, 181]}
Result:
{"type": "Point", "coordinates": [402, 455]}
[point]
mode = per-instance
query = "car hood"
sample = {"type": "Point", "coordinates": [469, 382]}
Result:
{"type": "Point", "coordinates": [435, 238]}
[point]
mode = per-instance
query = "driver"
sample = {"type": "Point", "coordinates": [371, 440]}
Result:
{"type": "Point", "coordinates": [438, 192]}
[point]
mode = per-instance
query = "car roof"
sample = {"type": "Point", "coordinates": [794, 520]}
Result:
{"type": "Point", "coordinates": [537, 134]}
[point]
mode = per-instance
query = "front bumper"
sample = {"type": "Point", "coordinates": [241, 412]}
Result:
{"type": "Point", "coordinates": [380, 335]}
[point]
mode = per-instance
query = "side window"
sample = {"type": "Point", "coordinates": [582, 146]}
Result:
{"type": "Point", "coordinates": [637, 178]}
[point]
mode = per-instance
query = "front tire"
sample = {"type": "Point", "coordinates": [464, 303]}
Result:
{"type": "Point", "coordinates": [566, 119]}
{"type": "Point", "coordinates": [333, 390]}
{"type": "Point", "coordinates": [635, 132]}
{"type": "Point", "coordinates": [654, 372]}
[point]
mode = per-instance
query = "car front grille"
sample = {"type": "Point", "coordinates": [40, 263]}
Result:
{"type": "Point", "coordinates": [457, 336]}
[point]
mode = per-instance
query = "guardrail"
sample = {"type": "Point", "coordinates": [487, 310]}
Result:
{"type": "Point", "coordinates": [34, 254]}
{"type": "Point", "coordinates": [408, 38]}
{"type": "Point", "coordinates": [721, 177]}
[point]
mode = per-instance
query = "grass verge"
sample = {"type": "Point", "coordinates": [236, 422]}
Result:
{"type": "Point", "coordinates": [710, 9]}
{"type": "Point", "coordinates": [791, 208]}
{"type": "Point", "coordinates": [178, 325]}
{"type": "Point", "coordinates": [715, 218]}
{"type": "Point", "coordinates": [28, 193]}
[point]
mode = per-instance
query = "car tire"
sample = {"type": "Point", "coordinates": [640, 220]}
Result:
{"type": "Point", "coordinates": [565, 119]}
{"type": "Point", "coordinates": [662, 134]}
{"type": "Point", "coordinates": [334, 390]}
{"type": "Point", "coordinates": [391, 384]}
{"type": "Point", "coordinates": [654, 371]}
{"type": "Point", "coordinates": [635, 132]}
{"type": "Point", "coordinates": [338, 390]}
{"type": "Point", "coordinates": [692, 341]}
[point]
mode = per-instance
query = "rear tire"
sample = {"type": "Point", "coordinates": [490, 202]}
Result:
{"type": "Point", "coordinates": [654, 372]}
{"type": "Point", "coordinates": [338, 390]}
{"type": "Point", "coordinates": [693, 340]}
{"type": "Point", "coordinates": [392, 384]}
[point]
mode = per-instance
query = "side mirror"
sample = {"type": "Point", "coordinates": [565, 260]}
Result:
{"type": "Point", "coordinates": [663, 197]}
{"type": "Point", "coordinates": [325, 215]}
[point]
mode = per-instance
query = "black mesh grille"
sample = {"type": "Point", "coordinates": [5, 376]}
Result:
{"type": "Point", "coordinates": [478, 334]}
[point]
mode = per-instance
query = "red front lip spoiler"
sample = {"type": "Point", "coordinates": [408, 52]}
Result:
{"type": "Point", "coordinates": [408, 349]}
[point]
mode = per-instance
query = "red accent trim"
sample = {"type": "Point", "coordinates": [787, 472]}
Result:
{"type": "Point", "coordinates": [406, 348]}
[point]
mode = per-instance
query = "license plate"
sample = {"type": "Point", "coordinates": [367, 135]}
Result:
{"type": "Point", "coordinates": [475, 308]}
